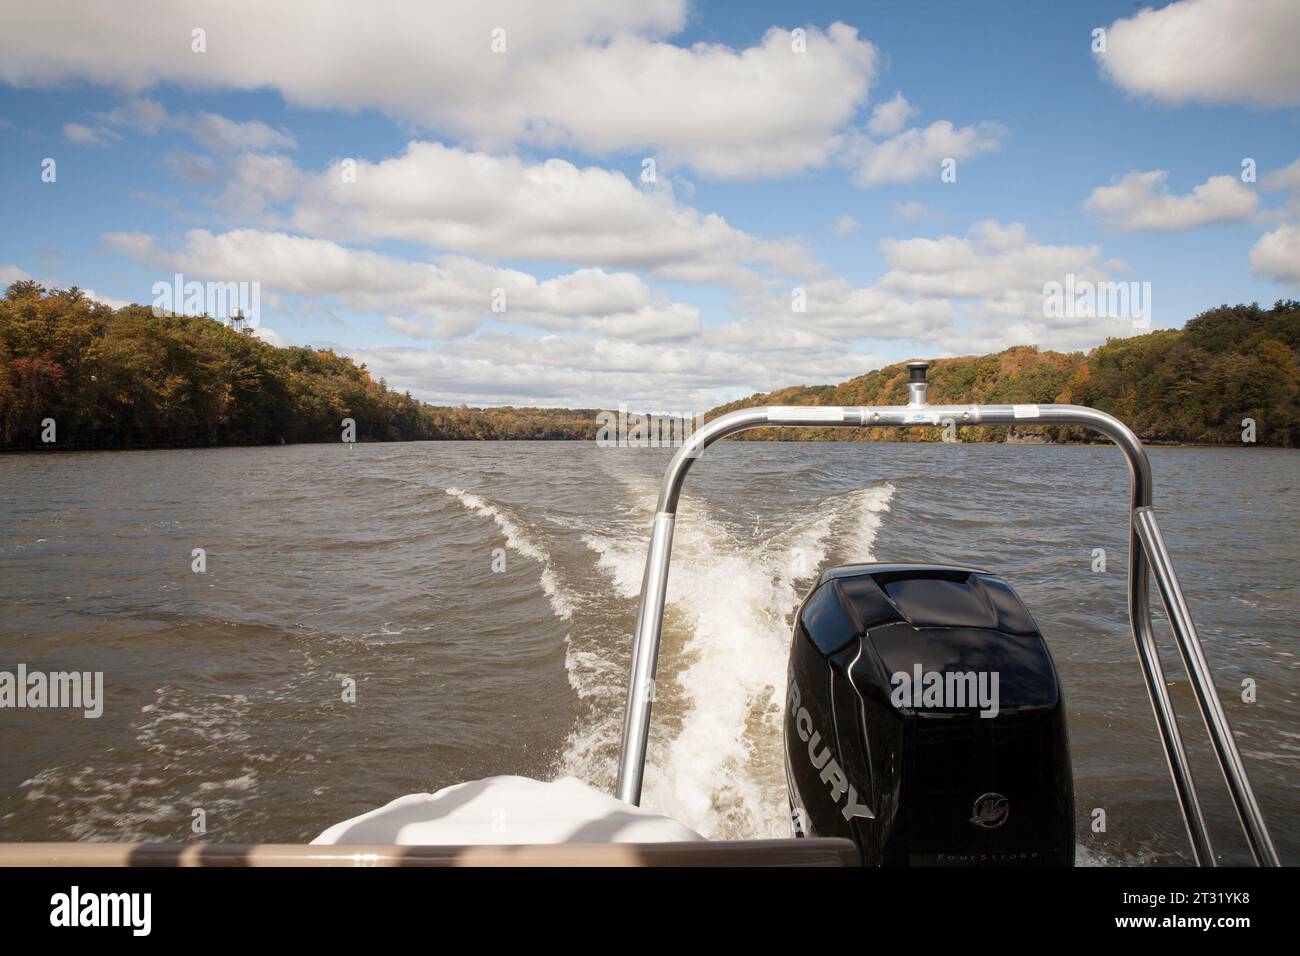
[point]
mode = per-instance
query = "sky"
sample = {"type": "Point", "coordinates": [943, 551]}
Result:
{"type": "Point", "coordinates": [663, 204]}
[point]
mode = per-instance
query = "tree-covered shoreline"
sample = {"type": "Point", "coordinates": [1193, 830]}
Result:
{"type": "Point", "coordinates": [1189, 386]}
{"type": "Point", "coordinates": [127, 378]}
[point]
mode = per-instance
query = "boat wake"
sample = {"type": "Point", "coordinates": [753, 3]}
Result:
{"type": "Point", "coordinates": [518, 540]}
{"type": "Point", "coordinates": [715, 759]}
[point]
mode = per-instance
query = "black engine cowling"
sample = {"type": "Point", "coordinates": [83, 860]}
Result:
{"type": "Point", "coordinates": [924, 720]}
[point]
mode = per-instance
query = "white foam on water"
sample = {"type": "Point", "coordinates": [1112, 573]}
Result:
{"type": "Point", "coordinates": [1088, 856]}
{"type": "Point", "coordinates": [715, 758]}
{"type": "Point", "coordinates": [517, 540]}
{"type": "Point", "coordinates": [182, 732]}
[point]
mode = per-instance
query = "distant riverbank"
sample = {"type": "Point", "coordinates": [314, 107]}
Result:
{"type": "Point", "coordinates": [76, 374]}
{"type": "Point", "coordinates": [851, 438]}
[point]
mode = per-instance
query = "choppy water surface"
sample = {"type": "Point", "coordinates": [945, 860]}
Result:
{"type": "Point", "coordinates": [224, 690]}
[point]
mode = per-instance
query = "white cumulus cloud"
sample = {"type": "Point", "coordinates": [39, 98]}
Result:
{"type": "Point", "coordinates": [448, 298]}
{"type": "Point", "coordinates": [890, 116]}
{"type": "Point", "coordinates": [83, 135]}
{"type": "Point", "coordinates": [918, 152]}
{"type": "Point", "coordinates": [449, 198]}
{"type": "Point", "coordinates": [1277, 256]}
{"type": "Point", "coordinates": [1142, 201]}
{"type": "Point", "coordinates": [599, 75]}
{"type": "Point", "coordinates": [10, 274]}
{"type": "Point", "coordinates": [994, 277]}
{"type": "Point", "coordinates": [1214, 51]}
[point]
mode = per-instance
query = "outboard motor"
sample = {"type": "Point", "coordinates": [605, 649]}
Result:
{"type": "Point", "coordinates": [924, 721]}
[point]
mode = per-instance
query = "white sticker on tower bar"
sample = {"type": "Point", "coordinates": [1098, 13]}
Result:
{"type": "Point", "coordinates": [795, 413]}
{"type": "Point", "coordinates": [1025, 411]}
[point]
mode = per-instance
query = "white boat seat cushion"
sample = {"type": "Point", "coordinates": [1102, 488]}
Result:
{"type": "Point", "coordinates": [508, 810]}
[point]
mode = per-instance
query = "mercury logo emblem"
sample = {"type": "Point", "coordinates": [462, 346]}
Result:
{"type": "Point", "coordinates": [990, 811]}
{"type": "Point", "coordinates": [831, 773]}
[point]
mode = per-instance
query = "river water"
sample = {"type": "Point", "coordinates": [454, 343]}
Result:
{"type": "Point", "coordinates": [479, 598]}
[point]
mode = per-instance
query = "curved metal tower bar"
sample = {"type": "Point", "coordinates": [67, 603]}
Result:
{"type": "Point", "coordinates": [1147, 554]}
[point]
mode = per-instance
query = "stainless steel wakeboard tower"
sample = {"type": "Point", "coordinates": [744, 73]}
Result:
{"type": "Point", "coordinates": [1147, 555]}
